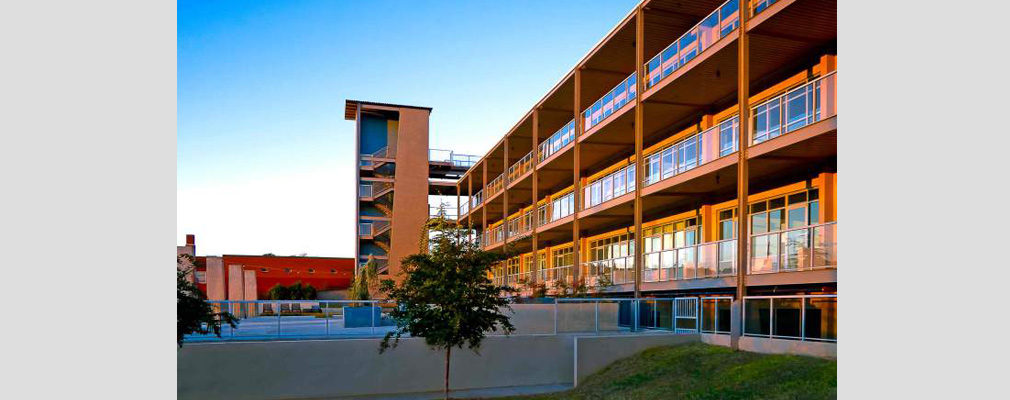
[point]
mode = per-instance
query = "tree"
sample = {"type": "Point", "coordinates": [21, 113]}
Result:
{"type": "Point", "coordinates": [364, 281]}
{"type": "Point", "coordinates": [445, 295]}
{"type": "Point", "coordinates": [193, 313]}
{"type": "Point", "coordinates": [279, 292]}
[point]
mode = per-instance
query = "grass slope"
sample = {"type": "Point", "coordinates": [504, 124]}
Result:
{"type": "Point", "coordinates": [701, 371]}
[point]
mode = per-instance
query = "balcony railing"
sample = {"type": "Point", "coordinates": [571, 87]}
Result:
{"type": "Point", "coordinates": [372, 228]}
{"type": "Point", "coordinates": [556, 209]}
{"type": "Point", "coordinates": [495, 186]}
{"type": "Point", "coordinates": [618, 97]}
{"type": "Point", "coordinates": [795, 109]}
{"type": "Point", "coordinates": [614, 185]}
{"type": "Point", "coordinates": [690, 153]}
{"type": "Point", "coordinates": [757, 6]}
{"type": "Point", "coordinates": [557, 141]}
{"type": "Point", "coordinates": [551, 275]}
{"type": "Point", "coordinates": [713, 27]}
{"type": "Point", "coordinates": [704, 260]}
{"type": "Point", "coordinates": [373, 189]}
{"type": "Point", "coordinates": [800, 249]}
{"type": "Point", "coordinates": [446, 212]}
{"type": "Point", "coordinates": [477, 199]}
{"type": "Point", "coordinates": [495, 235]}
{"type": "Point", "coordinates": [520, 225]}
{"type": "Point", "coordinates": [464, 207]}
{"type": "Point", "coordinates": [803, 317]}
{"type": "Point", "coordinates": [521, 167]}
{"type": "Point", "coordinates": [451, 157]}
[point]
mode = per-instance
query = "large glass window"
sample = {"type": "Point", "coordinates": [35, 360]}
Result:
{"type": "Point", "coordinates": [821, 319]}
{"type": "Point", "coordinates": [787, 317]}
{"type": "Point", "coordinates": [782, 239]}
{"type": "Point", "coordinates": [757, 317]}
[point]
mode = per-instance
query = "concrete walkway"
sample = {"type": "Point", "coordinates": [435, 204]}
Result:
{"type": "Point", "coordinates": [473, 393]}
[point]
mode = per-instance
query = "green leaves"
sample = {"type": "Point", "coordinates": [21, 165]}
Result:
{"type": "Point", "coordinates": [193, 313]}
{"type": "Point", "coordinates": [445, 295]}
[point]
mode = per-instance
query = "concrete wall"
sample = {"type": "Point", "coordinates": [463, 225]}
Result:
{"type": "Point", "coordinates": [783, 346]}
{"type": "Point", "coordinates": [593, 353]}
{"type": "Point", "coordinates": [236, 286]}
{"type": "Point", "coordinates": [350, 367]}
{"type": "Point", "coordinates": [410, 197]}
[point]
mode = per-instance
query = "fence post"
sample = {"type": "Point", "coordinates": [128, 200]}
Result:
{"type": "Point", "coordinates": [326, 316]}
{"type": "Point", "coordinates": [278, 308]}
{"type": "Point", "coordinates": [597, 317]}
{"type": "Point", "coordinates": [555, 315]}
{"type": "Point", "coordinates": [373, 317]}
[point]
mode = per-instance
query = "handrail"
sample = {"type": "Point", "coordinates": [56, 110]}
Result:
{"type": "Point", "coordinates": [608, 187]}
{"type": "Point", "coordinates": [811, 102]}
{"type": "Point", "coordinates": [557, 141]}
{"type": "Point", "coordinates": [371, 190]}
{"type": "Point", "coordinates": [701, 36]}
{"type": "Point", "coordinates": [521, 167]}
{"type": "Point", "coordinates": [495, 185]}
{"type": "Point", "coordinates": [618, 97]}
{"type": "Point", "coordinates": [456, 159]}
{"type": "Point", "coordinates": [696, 261]}
{"type": "Point", "coordinates": [476, 199]}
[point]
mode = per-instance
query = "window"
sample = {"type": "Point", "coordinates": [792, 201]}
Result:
{"type": "Point", "coordinates": [727, 136]}
{"type": "Point", "coordinates": [263, 270]}
{"type": "Point", "coordinates": [287, 270]}
{"type": "Point", "coordinates": [333, 271]}
{"type": "Point", "coordinates": [312, 271]}
{"type": "Point", "coordinates": [782, 240]}
{"type": "Point", "coordinates": [669, 250]}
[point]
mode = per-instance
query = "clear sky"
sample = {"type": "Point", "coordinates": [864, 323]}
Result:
{"type": "Point", "coordinates": [265, 157]}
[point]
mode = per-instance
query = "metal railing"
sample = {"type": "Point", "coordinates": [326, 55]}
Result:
{"type": "Point", "coordinates": [613, 185]}
{"type": "Point", "coordinates": [520, 225]}
{"type": "Point", "coordinates": [798, 249]}
{"type": "Point", "coordinates": [495, 185]}
{"type": "Point", "coordinates": [713, 27]}
{"type": "Point", "coordinates": [757, 6]}
{"type": "Point", "coordinates": [521, 167]}
{"type": "Point", "coordinates": [373, 189]}
{"type": "Point", "coordinates": [557, 141]}
{"type": "Point", "coordinates": [446, 212]}
{"type": "Point", "coordinates": [801, 317]}
{"type": "Point", "coordinates": [799, 107]}
{"type": "Point", "coordinates": [464, 207]}
{"type": "Point", "coordinates": [476, 199]}
{"type": "Point", "coordinates": [495, 235]}
{"type": "Point", "coordinates": [616, 99]}
{"type": "Point", "coordinates": [453, 158]}
{"type": "Point", "coordinates": [693, 152]}
{"type": "Point", "coordinates": [372, 228]}
{"type": "Point", "coordinates": [556, 209]}
{"type": "Point", "coordinates": [704, 260]}
{"type": "Point", "coordinates": [798, 317]}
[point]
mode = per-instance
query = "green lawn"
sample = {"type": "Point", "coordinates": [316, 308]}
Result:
{"type": "Point", "coordinates": [701, 371]}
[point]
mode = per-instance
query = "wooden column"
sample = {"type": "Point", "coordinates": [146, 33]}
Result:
{"type": "Point", "coordinates": [577, 182]}
{"type": "Point", "coordinates": [483, 206]}
{"type": "Point", "coordinates": [742, 242]}
{"type": "Point", "coordinates": [639, 139]}
{"type": "Point", "coordinates": [505, 193]}
{"type": "Point", "coordinates": [536, 199]}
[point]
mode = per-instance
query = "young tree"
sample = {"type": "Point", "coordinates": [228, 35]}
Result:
{"type": "Point", "coordinates": [364, 281]}
{"type": "Point", "coordinates": [445, 295]}
{"type": "Point", "coordinates": [193, 313]}
{"type": "Point", "coordinates": [279, 292]}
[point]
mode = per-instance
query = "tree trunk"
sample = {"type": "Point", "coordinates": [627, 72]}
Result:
{"type": "Point", "coordinates": [445, 391]}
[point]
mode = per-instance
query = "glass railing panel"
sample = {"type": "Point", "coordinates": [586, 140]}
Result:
{"type": "Point", "coordinates": [610, 186]}
{"type": "Point", "coordinates": [760, 5]}
{"type": "Point", "coordinates": [795, 109]}
{"type": "Point", "coordinates": [611, 102]}
{"type": "Point", "coordinates": [713, 27]}
{"type": "Point", "coordinates": [685, 155]}
{"type": "Point", "coordinates": [557, 141]}
{"type": "Point", "coordinates": [800, 249]}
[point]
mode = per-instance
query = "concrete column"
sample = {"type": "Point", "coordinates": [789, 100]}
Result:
{"type": "Point", "coordinates": [236, 286]}
{"type": "Point", "coordinates": [216, 279]}
{"type": "Point", "coordinates": [250, 289]}
{"type": "Point", "coordinates": [536, 198]}
{"type": "Point", "coordinates": [577, 182]}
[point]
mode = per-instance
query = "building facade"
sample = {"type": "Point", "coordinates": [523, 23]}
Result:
{"type": "Point", "coordinates": [246, 277]}
{"type": "Point", "coordinates": [396, 175]}
{"type": "Point", "coordinates": [692, 153]}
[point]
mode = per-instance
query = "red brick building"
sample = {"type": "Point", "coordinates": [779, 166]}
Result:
{"type": "Point", "coordinates": [246, 277]}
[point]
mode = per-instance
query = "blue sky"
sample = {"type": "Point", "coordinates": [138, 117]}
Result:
{"type": "Point", "coordinates": [265, 158]}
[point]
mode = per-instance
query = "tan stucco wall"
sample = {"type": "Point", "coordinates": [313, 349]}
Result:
{"type": "Point", "coordinates": [410, 196]}
{"type": "Point", "coordinates": [236, 287]}
{"type": "Point", "coordinates": [215, 279]}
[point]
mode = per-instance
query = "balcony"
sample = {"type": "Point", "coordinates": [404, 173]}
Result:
{"type": "Point", "coordinates": [553, 275]}
{"type": "Point", "coordinates": [521, 167]}
{"type": "Point", "coordinates": [717, 25]}
{"type": "Point", "coordinates": [452, 158]}
{"type": "Point", "coordinates": [557, 209]}
{"type": "Point", "coordinates": [697, 150]}
{"type": "Point", "coordinates": [800, 249]}
{"type": "Point", "coordinates": [377, 158]}
{"type": "Point", "coordinates": [495, 236]}
{"type": "Point", "coordinates": [795, 109]}
{"type": "Point", "coordinates": [559, 140]}
{"type": "Point", "coordinates": [477, 199]}
{"type": "Point", "coordinates": [464, 207]}
{"type": "Point", "coordinates": [611, 186]}
{"type": "Point", "coordinates": [616, 99]}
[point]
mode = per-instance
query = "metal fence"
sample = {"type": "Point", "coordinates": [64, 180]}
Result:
{"type": "Point", "coordinates": [332, 319]}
